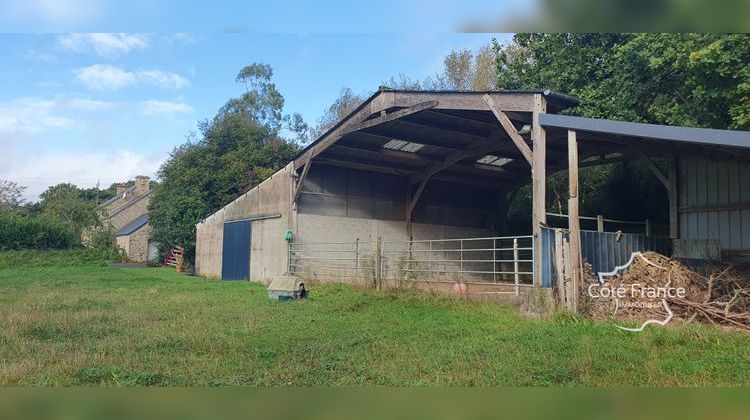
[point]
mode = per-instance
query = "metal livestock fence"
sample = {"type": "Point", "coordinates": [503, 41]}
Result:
{"type": "Point", "coordinates": [504, 260]}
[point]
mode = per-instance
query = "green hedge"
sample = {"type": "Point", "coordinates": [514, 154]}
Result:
{"type": "Point", "coordinates": [34, 232]}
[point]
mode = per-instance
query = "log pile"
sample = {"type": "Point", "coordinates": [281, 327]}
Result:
{"type": "Point", "coordinates": [721, 298]}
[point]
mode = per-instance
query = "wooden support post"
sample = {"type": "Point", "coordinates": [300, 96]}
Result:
{"type": "Point", "coordinates": [573, 218]}
{"type": "Point", "coordinates": [674, 227]}
{"type": "Point", "coordinates": [599, 223]}
{"type": "Point", "coordinates": [661, 176]}
{"type": "Point", "coordinates": [538, 184]}
{"type": "Point", "coordinates": [301, 180]}
{"type": "Point", "coordinates": [648, 227]}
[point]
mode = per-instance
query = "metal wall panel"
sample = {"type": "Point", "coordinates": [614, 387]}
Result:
{"type": "Point", "coordinates": [709, 183]}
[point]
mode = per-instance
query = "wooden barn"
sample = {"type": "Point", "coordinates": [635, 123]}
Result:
{"type": "Point", "coordinates": [415, 185]}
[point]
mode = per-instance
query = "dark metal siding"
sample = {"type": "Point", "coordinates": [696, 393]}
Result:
{"type": "Point", "coordinates": [235, 260]}
{"type": "Point", "coordinates": [548, 254]}
{"type": "Point", "coordinates": [604, 251]}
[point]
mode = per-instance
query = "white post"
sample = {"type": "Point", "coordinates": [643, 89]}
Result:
{"type": "Point", "coordinates": [515, 263]}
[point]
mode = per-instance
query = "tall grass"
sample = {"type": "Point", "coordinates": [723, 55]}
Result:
{"type": "Point", "coordinates": [77, 257]}
{"type": "Point", "coordinates": [84, 324]}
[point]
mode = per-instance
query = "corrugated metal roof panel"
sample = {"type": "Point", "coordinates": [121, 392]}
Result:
{"type": "Point", "coordinates": [133, 226]}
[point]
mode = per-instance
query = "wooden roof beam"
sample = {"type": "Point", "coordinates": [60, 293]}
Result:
{"type": "Point", "coordinates": [358, 121]}
{"type": "Point", "coordinates": [472, 101]}
{"type": "Point", "coordinates": [391, 116]}
{"type": "Point", "coordinates": [510, 129]}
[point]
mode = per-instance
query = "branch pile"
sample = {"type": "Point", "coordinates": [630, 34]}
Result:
{"type": "Point", "coordinates": [721, 298]}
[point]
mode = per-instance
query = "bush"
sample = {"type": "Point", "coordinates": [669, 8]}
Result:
{"type": "Point", "coordinates": [102, 239]}
{"type": "Point", "coordinates": [34, 232]}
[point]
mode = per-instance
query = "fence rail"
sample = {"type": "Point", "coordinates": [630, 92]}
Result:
{"type": "Point", "coordinates": [601, 223]}
{"type": "Point", "coordinates": [498, 260]}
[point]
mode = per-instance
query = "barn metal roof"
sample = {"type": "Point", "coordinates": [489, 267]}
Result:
{"type": "Point", "coordinates": [704, 136]}
{"type": "Point", "coordinates": [131, 227]}
{"type": "Point", "coordinates": [484, 138]}
{"type": "Point", "coordinates": [380, 101]}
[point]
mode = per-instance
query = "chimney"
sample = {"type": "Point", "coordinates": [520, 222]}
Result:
{"type": "Point", "coordinates": [141, 184]}
{"type": "Point", "coordinates": [121, 188]}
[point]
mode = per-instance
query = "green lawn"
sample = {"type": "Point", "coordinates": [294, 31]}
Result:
{"type": "Point", "coordinates": [95, 325]}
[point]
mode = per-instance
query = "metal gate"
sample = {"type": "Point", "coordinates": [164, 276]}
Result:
{"type": "Point", "coordinates": [490, 261]}
{"type": "Point", "coordinates": [235, 255]}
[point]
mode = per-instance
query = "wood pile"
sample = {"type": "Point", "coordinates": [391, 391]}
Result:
{"type": "Point", "coordinates": [653, 280]}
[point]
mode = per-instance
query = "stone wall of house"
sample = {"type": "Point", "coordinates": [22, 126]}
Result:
{"type": "Point", "coordinates": [138, 244]}
{"type": "Point", "coordinates": [123, 242]}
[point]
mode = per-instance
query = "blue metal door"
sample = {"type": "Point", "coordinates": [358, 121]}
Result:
{"type": "Point", "coordinates": [235, 255]}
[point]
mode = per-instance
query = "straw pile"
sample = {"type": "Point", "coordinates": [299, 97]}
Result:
{"type": "Point", "coordinates": [722, 298]}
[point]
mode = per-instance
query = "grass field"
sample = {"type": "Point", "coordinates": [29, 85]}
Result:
{"type": "Point", "coordinates": [84, 324]}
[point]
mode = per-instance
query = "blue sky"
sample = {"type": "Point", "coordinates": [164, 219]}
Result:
{"type": "Point", "coordinates": [85, 107]}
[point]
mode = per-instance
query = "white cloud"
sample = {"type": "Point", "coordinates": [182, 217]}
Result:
{"type": "Point", "coordinates": [104, 77]}
{"type": "Point", "coordinates": [183, 38]}
{"type": "Point", "coordinates": [165, 108]}
{"type": "Point", "coordinates": [104, 44]}
{"type": "Point", "coordinates": [109, 77]}
{"type": "Point", "coordinates": [91, 105]}
{"type": "Point", "coordinates": [31, 115]}
{"type": "Point", "coordinates": [83, 169]}
{"type": "Point", "coordinates": [162, 79]}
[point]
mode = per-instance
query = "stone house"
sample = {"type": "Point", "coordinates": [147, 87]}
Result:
{"type": "Point", "coordinates": [127, 214]}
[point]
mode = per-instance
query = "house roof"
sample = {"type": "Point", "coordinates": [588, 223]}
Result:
{"type": "Point", "coordinates": [121, 209]}
{"type": "Point", "coordinates": [117, 197]}
{"type": "Point", "coordinates": [131, 227]}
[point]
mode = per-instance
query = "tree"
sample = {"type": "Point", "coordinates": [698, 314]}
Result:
{"type": "Point", "coordinates": [11, 195]}
{"type": "Point", "coordinates": [681, 79]}
{"type": "Point", "coordinates": [240, 147]}
{"type": "Point", "coordinates": [340, 108]}
{"type": "Point", "coordinates": [466, 70]}
{"type": "Point", "coordinates": [66, 203]}
{"type": "Point", "coordinates": [462, 70]}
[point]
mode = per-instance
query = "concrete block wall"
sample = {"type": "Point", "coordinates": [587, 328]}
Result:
{"type": "Point", "coordinates": [318, 228]}
{"type": "Point", "coordinates": [313, 228]}
{"type": "Point", "coordinates": [268, 248]}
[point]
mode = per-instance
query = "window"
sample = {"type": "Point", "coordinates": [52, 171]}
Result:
{"type": "Point", "coordinates": [494, 160]}
{"type": "Point", "coordinates": [403, 146]}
